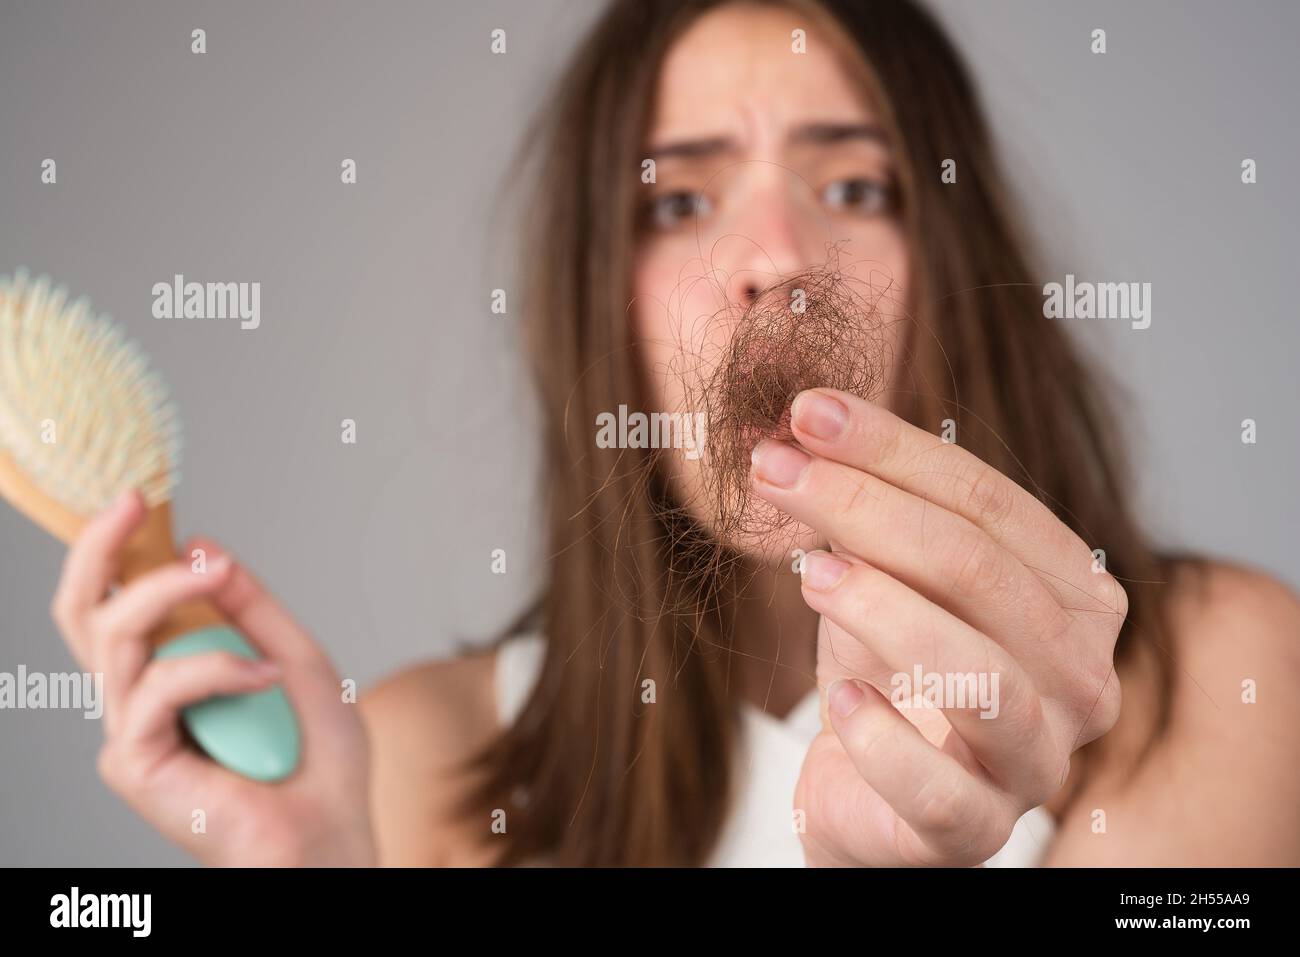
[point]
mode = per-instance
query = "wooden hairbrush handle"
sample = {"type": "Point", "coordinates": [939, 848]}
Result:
{"type": "Point", "coordinates": [149, 548]}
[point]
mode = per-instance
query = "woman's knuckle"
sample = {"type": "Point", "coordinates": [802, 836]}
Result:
{"type": "Point", "coordinates": [975, 564]}
{"type": "Point", "coordinates": [989, 497]}
{"type": "Point", "coordinates": [61, 612]}
{"type": "Point", "coordinates": [108, 764]}
{"type": "Point", "coordinates": [941, 809]}
{"type": "Point", "coordinates": [1022, 716]}
{"type": "Point", "coordinates": [1107, 711]}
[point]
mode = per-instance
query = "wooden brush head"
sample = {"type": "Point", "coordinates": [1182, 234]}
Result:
{"type": "Point", "coordinates": [82, 420]}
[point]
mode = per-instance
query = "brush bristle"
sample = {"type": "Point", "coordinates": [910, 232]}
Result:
{"type": "Point", "coordinates": [81, 413]}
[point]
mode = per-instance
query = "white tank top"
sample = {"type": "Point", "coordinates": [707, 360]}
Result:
{"type": "Point", "coordinates": [758, 831]}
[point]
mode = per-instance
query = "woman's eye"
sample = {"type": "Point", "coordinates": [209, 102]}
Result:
{"type": "Point", "coordinates": [863, 196]}
{"type": "Point", "coordinates": [671, 209]}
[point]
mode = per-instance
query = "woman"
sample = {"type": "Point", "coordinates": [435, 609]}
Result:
{"type": "Point", "coordinates": [740, 205]}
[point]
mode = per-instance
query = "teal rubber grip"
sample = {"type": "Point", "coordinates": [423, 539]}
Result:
{"type": "Point", "coordinates": [255, 734]}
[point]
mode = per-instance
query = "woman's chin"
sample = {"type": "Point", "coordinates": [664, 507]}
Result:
{"type": "Point", "coordinates": [771, 539]}
{"type": "Point", "coordinates": [748, 526]}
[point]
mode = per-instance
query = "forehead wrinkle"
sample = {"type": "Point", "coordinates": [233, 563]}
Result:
{"type": "Point", "coordinates": [758, 131]}
{"type": "Point", "coordinates": [727, 65]}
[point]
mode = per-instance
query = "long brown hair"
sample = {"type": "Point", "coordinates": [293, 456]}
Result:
{"type": "Point", "coordinates": [588, 774]}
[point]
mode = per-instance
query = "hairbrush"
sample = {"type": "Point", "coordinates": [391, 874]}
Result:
{"type": "Point", "coordinates": [82, 420]}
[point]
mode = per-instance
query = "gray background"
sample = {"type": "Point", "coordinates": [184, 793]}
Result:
{"type": "Point", "coordinates": [225, 167]}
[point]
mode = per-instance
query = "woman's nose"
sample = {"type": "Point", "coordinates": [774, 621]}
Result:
{"type": "Point", "coordinates": [773, 242]}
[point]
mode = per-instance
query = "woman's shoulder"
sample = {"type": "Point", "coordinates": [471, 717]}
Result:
{"type": "Point", "coordinates": [424, 722]}
{"type": "Point", "coordinates": [1233, 653]}
{"type": "Point", "coordinates": [1234, 648]}
{"type": "Point", "coordinates": [1219, 607]}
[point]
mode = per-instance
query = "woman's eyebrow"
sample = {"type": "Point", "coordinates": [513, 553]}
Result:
{"type": "Point", "coordinates": [694, 149]}
{"type": "Point", "coordinates": [817, 134]}
{"type": "Point", "coordinates": [827, 133]}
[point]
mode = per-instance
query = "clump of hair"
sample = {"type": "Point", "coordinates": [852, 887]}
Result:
{"type": "Point", "coordinates": [817, 328]}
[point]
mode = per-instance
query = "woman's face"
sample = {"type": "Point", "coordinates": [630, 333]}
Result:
{"type": "Point", "coordinates": [765, 160]}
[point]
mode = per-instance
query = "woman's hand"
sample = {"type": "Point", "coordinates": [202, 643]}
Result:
{"type": "Point", "coordinates": [941, 563]}
{"type": "Point", "coordinates": [319, 815]}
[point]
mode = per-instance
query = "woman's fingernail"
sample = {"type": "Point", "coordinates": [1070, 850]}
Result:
{"type": "Point", "coordinates": [779, 463]}
{"type": "Point", "coordinates": [845, 696]}
{"type": "Point", "coordinates": [819, 415]}
{"type": "Point", "coordinates": [219, 565]}
{"type": "Point", "coordinates": [822, 571]}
